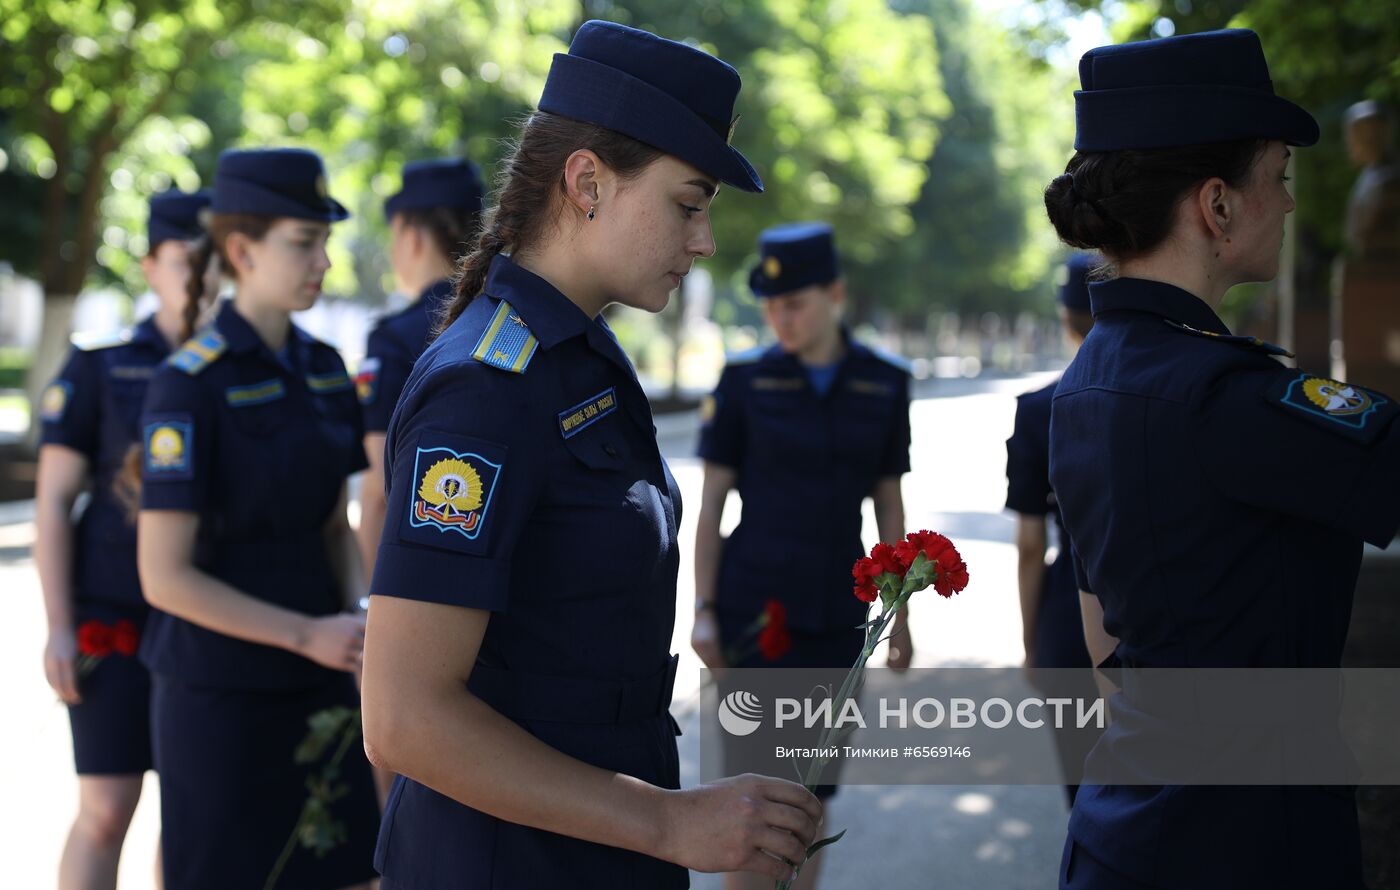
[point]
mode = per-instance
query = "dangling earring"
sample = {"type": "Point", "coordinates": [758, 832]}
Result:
{"type": "Point", "coordinates": [592, 213]}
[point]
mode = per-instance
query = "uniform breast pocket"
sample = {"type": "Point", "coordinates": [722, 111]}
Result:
{"type": "Point", "coordinates": [261, 419]}
{"type": "Point", "coordinates": [862, 431]}
{"type": "Point", "coordinates": [602, 510]}
{"type": "Point", "coordinates": [127, 397]}
{"type": "Point", "coordinates": [781, 431]}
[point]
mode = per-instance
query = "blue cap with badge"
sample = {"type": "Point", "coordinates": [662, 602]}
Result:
{"type": "Point", "coordinates": [274, 182]}
{"type": "Point", "coordinates": [669, 95]}
{"type": "Point", "coordinates": [1187, 90]}
{"type": "Point", "coordinates": [1072, 280]}
{"type": "Point", "coordinates": [440, 182]}
{"type": "Point", "coordinates": [175, 216]}
{"type": "Point", "coordinates": [793, 256]}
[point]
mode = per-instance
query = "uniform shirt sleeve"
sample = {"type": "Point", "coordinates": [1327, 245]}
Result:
{"type": "Point", "coordinates": [722, 421]}
{"type": "Point", "coordinates": [69, 409]}
{"type": "Point", "coordinates": [1028, 463]}
{"type": "Point", "coordinates": [895, 460]}
{"type": "Point", "coordinates": [385, 371]}
{"type": "Point", "coordinates": [179, 436]}
{"type": "Point", "coordinates": [1261, 442]}
{"type": "Point", "coordinates": [464, 477]}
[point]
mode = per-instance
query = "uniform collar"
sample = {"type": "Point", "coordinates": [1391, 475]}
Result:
{"type": "Point", "coordinates": [854, 351]}
{"type": "Point", "coordinates": [242, 338]}
{"type": "Point", "coordinates": [550, 316]}
{"type": "Point", "coordinates": [147, 334]}
{"type": "Point", "coordinates": [436, 294]}
{"type": "Point", "coordinates": [1156, 298]}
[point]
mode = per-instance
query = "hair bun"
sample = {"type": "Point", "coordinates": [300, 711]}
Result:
{"type": "Point", "coordinates": [1079, 220]}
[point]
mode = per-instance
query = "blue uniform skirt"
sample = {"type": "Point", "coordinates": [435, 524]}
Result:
{"type": "Point", "coordinates": [112, 725]}
{"type": "Point", "coordinates": [232, 791]}
{"type": "Point", "coordinates": [431, 842]}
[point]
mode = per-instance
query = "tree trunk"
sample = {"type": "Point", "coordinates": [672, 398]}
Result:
{"type": "Point", "coordinates": [48, 355]}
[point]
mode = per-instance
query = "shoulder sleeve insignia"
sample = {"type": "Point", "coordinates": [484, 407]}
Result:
{"type": "Point", "coordinates": [167, 447]}
{"type": "Point", "coordinates": [89, 342]}
{"type": "Point", "coordinates": [367, 381]}
{"type": "Point", "coordinates": [55, 401]}
{"type": "Point", "coordinates": [1341, 407]}
{"type": "Point", "coordinates": [709, 406]}
{"type": "Point", "coordinates": [325, 384]}
{"type": "Point", "coordinates": [1247, 342]}
{"type": "Point", "coordinates": [451, 493]}
{"type": "Point", "coordinates": [506, 343]}
{"type": "Point", "coordinates": [199, 352]}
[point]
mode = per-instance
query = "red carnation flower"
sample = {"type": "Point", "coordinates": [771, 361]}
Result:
{"type": "Point", "coordinates": [125, 638]}
{"type": "Point", "coordinates": [888, 559]}
{"type": "Point", "coordinates": [774, 641]}
{"type": "Point", "coordinates": [94, 639]}
{"type": "Point", "coordinates": [865, 571]}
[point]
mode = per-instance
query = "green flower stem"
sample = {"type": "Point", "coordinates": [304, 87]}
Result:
{"type": "Point", "coordinates": [348, 736]}
{"type": "Point", "coordinates": [873, 633]}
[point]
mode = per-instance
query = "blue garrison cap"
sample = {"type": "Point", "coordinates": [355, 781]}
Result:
{"type": "Point", "coordinates": [441, 182]}
{"type": "Point", "coordinates": [1072, 280]}
{"type": "Point", "coordinates": [175, 216]}
{"type": "Point", "coordinates": [794, 256]}
{"type": "Point", "coordinates": [275, 182]}
{"type": "Point", "coordinates": [1186, 90]}
{"type": "Point", "coordinates": [669, 95]}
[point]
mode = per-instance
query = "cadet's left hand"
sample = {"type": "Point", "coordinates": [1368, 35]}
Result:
{"type": "Point", "coordinates": [901, 648]}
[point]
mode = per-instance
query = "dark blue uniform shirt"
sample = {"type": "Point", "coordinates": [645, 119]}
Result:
{"type": "Point", "coordinates": [260, 449]}
{"type": "Point", "coordinates": [1218, 501]}
{"type": "Point", "coordinates": [805, 463]}
{"type": "Point", "coordinates": [394, 345]}
{"type": "Point", "coordinates": [1059, 631]}
{"type": "Point", "coordinates": [524, 478]}
{"type": "Point", "coordinates": [94, 408]}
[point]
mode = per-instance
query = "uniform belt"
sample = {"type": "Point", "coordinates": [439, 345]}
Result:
{"type": "Point", "coordinates": [560, 699]}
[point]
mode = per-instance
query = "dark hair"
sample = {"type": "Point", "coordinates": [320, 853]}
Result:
{"type": "Point", "coordinates": [527, 186]}
{"type": "Point", "coordinates": [450, 228]}
{"type": "Point", "coordinates": [127, 483]}
{"type": "Point", "coordinates": [1124, 202]}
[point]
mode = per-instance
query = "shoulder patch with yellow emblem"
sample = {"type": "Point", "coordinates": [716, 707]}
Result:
{"type": "Point", "coordinates": [507, 342]}
{"type": "Point", "coordinates": [54, 401]}
{"type": "Point", "coordinates": [1342, 408]}
{"type": "Point", "coordinates": [167, 442]}
{"type": "Point", "coordinates": [451, 492]}
{"type": "Point", "coordinates": [199, 352]}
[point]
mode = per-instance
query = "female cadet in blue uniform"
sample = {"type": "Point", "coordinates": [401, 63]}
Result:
{"type": "Point", "coordinates": [87, 569]}
{"type": "Point", "coordinates": [1052, 630]}
{"type": "Point", "coordinates": [249, 432]}
{"type": "Point", "coordinates": [517, 674]}
{"type": "Point", "coordinates": [806, 430]}
{"type": "Point", "coordinates": [1191, 467]}
{"type": "Point", "coordinates": [431, 219]}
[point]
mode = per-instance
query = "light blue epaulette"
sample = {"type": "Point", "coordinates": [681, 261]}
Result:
{"type": "Point", "coordinates": [507, 342]}
{"type": "Point", "coordinates": [745, 356]}
{"type": "Point", "coordinates": [199, 352]}
{"type": "Point", "coordinates": [90, 342]}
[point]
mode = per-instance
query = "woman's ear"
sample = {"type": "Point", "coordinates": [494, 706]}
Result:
{"type": "Point", "coordinates": [583, 174]}
{"type": "Point", "coordinates": [1214, 202]}
{"type": "Point", "coordinates": [238, 249]}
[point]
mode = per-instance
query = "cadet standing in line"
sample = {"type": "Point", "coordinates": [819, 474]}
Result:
{"type": "Point", "coordinates": [805, 430]}
{"type": "Point", "coordinates": [87, 567]}
{"type": "Point", "coordinates": [1052, 630]}
{"type": "Point", "coordinates": [517, 674]}
{"type": "Point", "coordinates": [1217, 498]}
{"type": "Point", "coordinates": [431, 220]}
{"type": "Point", "coordinates": [249, 432]}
